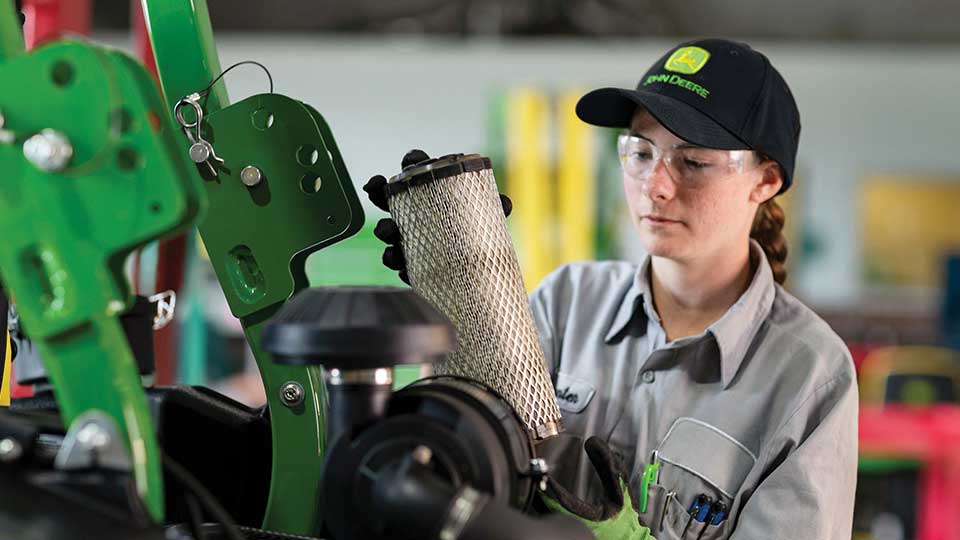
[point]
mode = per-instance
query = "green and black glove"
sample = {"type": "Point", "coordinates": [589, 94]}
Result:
{"type": "Point", "coordinates": [614, 518]}
{"type": "Point", "coordinates": [387, 230]}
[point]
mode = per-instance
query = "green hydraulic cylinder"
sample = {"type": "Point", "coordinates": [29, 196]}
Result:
{"type": "Point", "coordinates": [281, 193]}
{"type": "Point", "coordinates": [91, 172]}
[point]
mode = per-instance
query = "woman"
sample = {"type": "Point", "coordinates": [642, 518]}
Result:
{"type": "Point", "coordinates": [697, 360]}
{"type": "Point", "coordinates": [731, 404]}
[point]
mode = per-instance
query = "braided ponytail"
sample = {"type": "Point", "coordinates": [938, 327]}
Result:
{"type": "Point", "coordinates": [767, 230]}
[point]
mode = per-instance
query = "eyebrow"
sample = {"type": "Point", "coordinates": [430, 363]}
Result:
{"type": "Point", "coordinates": [640, 136]}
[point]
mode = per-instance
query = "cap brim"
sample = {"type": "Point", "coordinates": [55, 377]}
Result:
{"type": "Point", "coordinates": [614, 107]}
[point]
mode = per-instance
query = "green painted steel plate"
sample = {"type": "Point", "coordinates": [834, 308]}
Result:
{"type": "Point", "coordinates": [67, 232]}
{"type": "Point", "coordinates": [258, 238]}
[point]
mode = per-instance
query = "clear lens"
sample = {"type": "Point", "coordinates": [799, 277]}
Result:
{"type": "Point", "coordinates": [688, 166]}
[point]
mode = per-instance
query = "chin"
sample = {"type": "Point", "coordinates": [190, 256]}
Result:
{"type": "Point", "coordinates": [658, 245]}
{"type": "Point", "coordinates": [664, 250]}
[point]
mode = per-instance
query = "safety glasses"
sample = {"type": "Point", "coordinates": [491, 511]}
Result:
{"type": "Point", "coordinates": [688, 165]}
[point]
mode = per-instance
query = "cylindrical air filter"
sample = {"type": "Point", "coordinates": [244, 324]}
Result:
{"type": "Point", "coordinates": [460, 258]}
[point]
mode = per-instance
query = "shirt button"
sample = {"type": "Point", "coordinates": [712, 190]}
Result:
{"type": "Point", "coordinates": [647, 376]}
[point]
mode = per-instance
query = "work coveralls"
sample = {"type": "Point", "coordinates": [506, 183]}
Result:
{"type": "Point", "coordinates": [759, 411]}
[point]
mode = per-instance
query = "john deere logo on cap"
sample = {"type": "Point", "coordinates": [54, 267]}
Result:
{"type": "Point", "coordinates": [687, 60]}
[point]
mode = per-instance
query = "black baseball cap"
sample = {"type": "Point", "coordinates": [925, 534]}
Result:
{"type": "Point", "coordinates": [713, 93]}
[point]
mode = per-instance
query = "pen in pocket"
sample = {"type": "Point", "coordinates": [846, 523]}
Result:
{"type": "Point", "coordinates": [651, 474]}
{"type": "Point", "coordinates": [718, 514]}
{"type": "Point", "coordinates": [666, 504]}
{"type": "Point", "coordinates": [699, 504]}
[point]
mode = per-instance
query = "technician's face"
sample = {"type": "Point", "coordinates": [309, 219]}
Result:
{"type": "Point", "coordinates": [680, 221]}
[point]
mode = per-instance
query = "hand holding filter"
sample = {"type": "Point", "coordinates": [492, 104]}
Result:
{"type": "Point", "coordinates": [460, 257]}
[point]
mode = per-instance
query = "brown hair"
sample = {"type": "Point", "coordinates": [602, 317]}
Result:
{"type": "Point", "coordinates": [767, 230]}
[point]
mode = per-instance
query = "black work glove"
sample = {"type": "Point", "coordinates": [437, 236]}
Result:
{"type": "Point", "coordinates": [614, 518]}
{"type": "Point", "coordinates": [387, 230]}
{"type": "Point", "coordinates": [612, 476]}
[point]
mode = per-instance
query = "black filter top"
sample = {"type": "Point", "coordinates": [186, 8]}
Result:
{"type": "Point", "coordinates": [358, 328]}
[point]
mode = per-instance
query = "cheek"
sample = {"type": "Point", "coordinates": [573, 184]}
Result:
{"type": "Point", "coordinates": [634, 194]}
{"type": "Point", "coordinates": [717, 212]}
{"type": "Point", "coordinates": [705, 210]}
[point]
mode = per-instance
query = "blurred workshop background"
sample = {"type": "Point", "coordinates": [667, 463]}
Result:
{"type": "Point", "coordinates": [873, 219]}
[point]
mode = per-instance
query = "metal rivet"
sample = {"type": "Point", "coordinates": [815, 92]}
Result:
{"type": "Point", "coordinates": [10, 450]}
{"type": "Point", "coordinates": [251, 176]}
{"type": "Point", "coordinates": [648, 376]}
{"type": "Point", "coordinates": [291, 394]}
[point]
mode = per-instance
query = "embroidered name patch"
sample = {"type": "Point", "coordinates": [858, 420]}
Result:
{"type": "Point", "coordinates": [573, 394]}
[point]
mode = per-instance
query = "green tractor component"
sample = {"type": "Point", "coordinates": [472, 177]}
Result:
{"type": "Point", "coordinates": [92, 171]}
{"type": "Point", "coordinates": [278, 191]}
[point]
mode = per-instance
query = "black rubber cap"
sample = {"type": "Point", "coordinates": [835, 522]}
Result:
{"type": "Point", "coordinates": [358, 328]}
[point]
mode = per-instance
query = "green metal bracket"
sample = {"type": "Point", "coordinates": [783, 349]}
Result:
{"type": "Point", "coordinates": [11, 38]}
{"type": "Point", "coordinates": [183, 46]}
{"type": "Point", "coordinates": [69, 225]}
{"type": "Point", "coordinates": [258, 236]}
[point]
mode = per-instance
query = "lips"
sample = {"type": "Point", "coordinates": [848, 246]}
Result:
{"type": "Point", "coordinates": [660, 220]}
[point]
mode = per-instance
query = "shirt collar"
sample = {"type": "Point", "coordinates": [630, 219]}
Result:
{"type": "Point", "coordinates": [636, 295]}
{"type": "Point", "coordinates": [733, 332]}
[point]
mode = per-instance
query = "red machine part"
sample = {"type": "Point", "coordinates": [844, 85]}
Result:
{"type": "Point", "coordinates": [929, 435]}
{"type": "Point", "coordinates": [46, 20]}
{"type": "Point", "coordinates": [171, 252]}
{"type": "Point", "coordinates": [50, 19]}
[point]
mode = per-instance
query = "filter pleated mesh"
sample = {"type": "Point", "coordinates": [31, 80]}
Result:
{"type": "Point", "coordinates": [460, 257]}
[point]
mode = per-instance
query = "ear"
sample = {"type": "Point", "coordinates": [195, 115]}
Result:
{"type": "Point", "coordinates": [769, 183]}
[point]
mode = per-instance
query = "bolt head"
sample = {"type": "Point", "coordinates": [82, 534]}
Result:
{"type": "Point", "coordinates": [93, 436]}
{"type": "Point", "coordinates": [200, 151]}
{"type": "Point", "coordinates": [48, 150]}
{"type": "Point", "coordinates": [251, 176]}
{"type": "Point", "coordinates": [10, 450]}
{"type": "Point", "coordinates": [422, 455]}
{"type": "Point", "coordinates": [291, 394]}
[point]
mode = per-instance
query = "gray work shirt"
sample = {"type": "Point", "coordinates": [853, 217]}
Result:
{"type": "Point", "coordinates": [759, 411]}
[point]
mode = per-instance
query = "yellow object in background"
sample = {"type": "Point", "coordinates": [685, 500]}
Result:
{"type": "Point", "coordinates": [528, 168]}
{"type": "Point", "coordinates": [917, 365]}
{"type": "Point", "coordinates": [5, 373]}
{"type": "Point", "coordinates": [909, 223]}
{"type": "Point", "coordinates": [576, 183]}
{"type": "Point", "coordinates": [548, 161]}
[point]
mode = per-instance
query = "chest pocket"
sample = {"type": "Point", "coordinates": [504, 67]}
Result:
{"type": "Point", "coordinates": [699, 459]}
{"type": "Point", "coordinates": [573, 394]}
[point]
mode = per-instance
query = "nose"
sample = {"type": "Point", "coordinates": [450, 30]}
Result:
{"type": "Point", "coordinates": [659, 185]}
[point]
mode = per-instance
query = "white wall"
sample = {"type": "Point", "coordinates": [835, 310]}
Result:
{"type": "Point", "coordinates": [864, 108]}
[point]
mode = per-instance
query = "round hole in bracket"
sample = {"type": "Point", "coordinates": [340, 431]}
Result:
{"type": "Point", "coordinates": [262, 119]}
{"type": "Point", "coordinates": [331, 220]}
{"type": "Point", "coordinates": [121, 120]}
{"type": "Point", "coordinates": [307, 155]}
{"type": "Point", "coordinates": [127, 159]}
{"type": "Point", "coordinates": [155, 207]}
{"type": "Point", "coordinates": [62, 73]}
{"type": "Point", "coordinates": [310, 183]}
